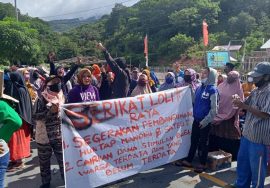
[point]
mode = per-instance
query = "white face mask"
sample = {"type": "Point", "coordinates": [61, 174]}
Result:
{"type": "Point", "coordinates": [204, 80]}
{"type": "Point", "coordinates": [250, 79]}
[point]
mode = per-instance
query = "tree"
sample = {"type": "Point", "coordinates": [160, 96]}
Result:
{"type": "Point", "coordinates": [254, 41]}
{"type": "Point", "coordinates": [179, 44]}
{"type": "Point", "coordinates": [189, 19]}
{"type": "Point", "coordinates": [68, 48]}
{"type": "Point", "coordinates": [6, 10]}
{"type": "Point", "coordinates": [241, 25]}
{"type": "Point", "coordinates": [18, 42]}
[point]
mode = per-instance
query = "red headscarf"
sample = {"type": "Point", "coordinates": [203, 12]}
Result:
{"type": "Point", "coordinates": [96, 71]}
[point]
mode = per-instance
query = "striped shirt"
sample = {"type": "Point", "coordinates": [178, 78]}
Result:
{"type": "Point", "coordinates": [257, 129]}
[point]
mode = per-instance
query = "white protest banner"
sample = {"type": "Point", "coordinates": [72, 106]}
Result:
{"type": "Point", "coordinates": [109, 140]}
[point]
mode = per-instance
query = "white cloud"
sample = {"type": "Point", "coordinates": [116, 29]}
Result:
{"type": "Point", "coordinates": [59, 9]}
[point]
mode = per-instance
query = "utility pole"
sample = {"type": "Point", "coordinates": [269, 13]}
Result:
{"type": "Point", "coordinates": [16, 11]}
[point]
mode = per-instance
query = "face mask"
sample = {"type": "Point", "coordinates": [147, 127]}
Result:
{"type": "Point", "coordinates": [204, 80]}
{"type": "Point", "coordinates": [260, 83]}
{"type": "Point", "coordinates": [169, 80]}
{"type": "Point", "coordinates": [250, 79]}
{"type": "Point", "coordinates": [142, 83]}
{"type": "Point", "coordinates": [35, 76]}
{"type": "Point", "coordinates": [55, 88]}
{"type": "Point", "coordinates": [187, 78]}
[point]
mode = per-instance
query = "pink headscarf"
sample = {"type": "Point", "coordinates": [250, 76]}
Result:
{"type": "Point", "coordinates": [194, 84]}
{"type": "Point", "coordinates": [54, 98]}
{"type": "Point", "coordinates": [226, 90]}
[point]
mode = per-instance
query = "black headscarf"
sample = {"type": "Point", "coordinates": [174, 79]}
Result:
{"type": "Point", "coordinates": [18, 90]}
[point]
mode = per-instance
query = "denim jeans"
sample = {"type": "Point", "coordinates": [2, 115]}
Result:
{"type": "Point", "coordinates": [3, 168]}
{"type": "Point", "coordinates": [251, 164]}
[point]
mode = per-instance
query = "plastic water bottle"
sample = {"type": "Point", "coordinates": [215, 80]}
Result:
{"type": "Point", "coordinates": [235, 97]}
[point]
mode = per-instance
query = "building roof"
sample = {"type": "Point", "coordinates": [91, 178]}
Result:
{"type": "Point", "coordinates": [226, 47]}
{"type": "Point", "coordinates": [233, 59]}
{"type": "Point", "coordinates": [266, 45]}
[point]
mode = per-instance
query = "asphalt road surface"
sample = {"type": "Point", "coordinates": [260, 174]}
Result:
{"type": "Point", "coordinates": [167, 176]}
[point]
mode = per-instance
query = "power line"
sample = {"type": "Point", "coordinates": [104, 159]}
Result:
{"type": "Point", "coordinates": [89, 10]}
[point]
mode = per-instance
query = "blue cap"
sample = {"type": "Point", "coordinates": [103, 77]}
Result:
{"type": "Point", "coordinates": [260, 69]}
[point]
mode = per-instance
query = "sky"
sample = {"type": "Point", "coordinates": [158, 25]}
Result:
{"type": "Point", "coordinates": [66, 9]}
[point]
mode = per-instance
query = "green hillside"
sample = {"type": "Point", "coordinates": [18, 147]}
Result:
{"type": "Point", "coordinates": [174, 29]}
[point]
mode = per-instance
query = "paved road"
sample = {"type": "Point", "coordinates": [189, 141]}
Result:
{"type": "Point", "coordinates": [167, 176]}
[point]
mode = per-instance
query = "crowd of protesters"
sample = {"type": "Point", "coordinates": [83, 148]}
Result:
{"type": "Point", "coordinates": [30, 100]}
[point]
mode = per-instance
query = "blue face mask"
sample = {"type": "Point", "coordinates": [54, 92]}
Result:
{"type": "Point", "coordinates": [169, 80]}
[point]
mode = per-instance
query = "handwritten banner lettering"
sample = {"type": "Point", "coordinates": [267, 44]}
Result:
{"type": "Point", "coordinates": [109, 140]}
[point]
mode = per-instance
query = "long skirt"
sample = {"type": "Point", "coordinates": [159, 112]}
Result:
{"type": "Point", "coordinates": [226, 137]}
{"type": "Point", "coordinates": [19, 143]}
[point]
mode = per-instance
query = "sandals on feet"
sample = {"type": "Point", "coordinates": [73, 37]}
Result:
{"type": "Point", "coordinates": [200, 169]}
{"type": "Point", "coordinates": [183, 164]}
{"type": "Point", "coordinates": [15, 167]}
{"type": "Point", "coordinates": [187, 164]}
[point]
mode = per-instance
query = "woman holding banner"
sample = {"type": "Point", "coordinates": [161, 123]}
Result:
{"type": "Point", "coordinates": [189, 80]}
{"type": "Point", "coordinates": [169, 82]}
{"type": "Point", "coordinates": [142, 86]}
{"type": "Point", "coordinates": [150, 81]}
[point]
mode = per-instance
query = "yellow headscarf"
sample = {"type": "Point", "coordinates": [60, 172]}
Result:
{"type": "Point", "coordinates": [147, 73]}
{"type": "Point", "coordinates": [31, 90]}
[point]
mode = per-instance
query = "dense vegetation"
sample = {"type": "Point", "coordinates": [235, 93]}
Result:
{"type": "Point", "coordinates": [68, 24]}
{"type": "Point", "coordinates": [173, 28]}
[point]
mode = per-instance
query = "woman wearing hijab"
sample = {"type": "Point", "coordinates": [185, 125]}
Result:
{"type": "Point", "coordinates": [150, 81]}
{"type": "Point", "coordinates": [204, 111]}
{"type": "Point", "coordinates": [49, 140]}
{"type": "Point", "coordinates": [60, 72]}
{"type": "Point", "coordinates": [225, 133]}
{"type": "Point", "coordinates": [84, 92]}
{"type": "Point", "coordinates": [221, 78]}
{"type": "Point", "coordinates": [19, 143]}
{"type": "Point", "coordinates": [96, 72]}
{"type": "Point", "coordinates": [169, 82]}
{"type": "Point", "coordinates": [142, 86]}
{"type": "Point", "coordinates": [10, 121]}
{"type": "Point", "coordinates": [29, 86]}
{"type": "Point", "coordinates": [189, 79]}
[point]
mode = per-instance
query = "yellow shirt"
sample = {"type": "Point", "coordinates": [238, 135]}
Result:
{"type": "Point", "coordinates": [247, 88]}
